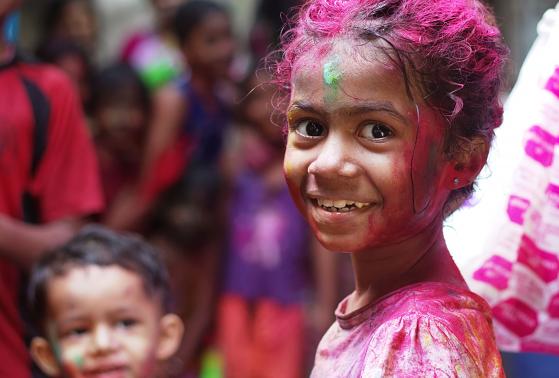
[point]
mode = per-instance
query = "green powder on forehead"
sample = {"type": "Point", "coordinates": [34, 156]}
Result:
{"type": "Point", "coordinates": [331, 74]}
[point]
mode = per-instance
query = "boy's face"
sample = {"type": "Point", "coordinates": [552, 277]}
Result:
{"type": "Point", "coordinates": [363, 163]}
{"type": "Point", "coordinates": [210, 46]}
{"type": "Point", "coordinates": [102, 323]}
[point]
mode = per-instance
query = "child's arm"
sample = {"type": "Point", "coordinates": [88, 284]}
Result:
{"type": "Point", "coordinates": [204, 307]}
{"type": "Point", "coordinates": [23, 243]}
{"type": "Point", "coordinates": [169, 110]}
{"type": "Point", "coordinates": [130, 208]}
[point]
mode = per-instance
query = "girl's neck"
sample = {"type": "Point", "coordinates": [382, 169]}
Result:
{"type": "Point", "coordinates": [422, 258]}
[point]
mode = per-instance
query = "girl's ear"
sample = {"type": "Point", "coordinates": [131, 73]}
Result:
{"type": "Point", "coordinates": [466, 163]}
{"type": "Point", "coordinates": [170, 337]}
{"type": "Point", "coordinates": [43, 355]}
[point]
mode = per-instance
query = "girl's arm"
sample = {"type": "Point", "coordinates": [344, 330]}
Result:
{"type": "Point", "coordinates": [169, 110]}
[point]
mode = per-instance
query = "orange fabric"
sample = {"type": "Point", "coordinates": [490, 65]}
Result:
{"type": "Point", "coordinates": [263, 340]}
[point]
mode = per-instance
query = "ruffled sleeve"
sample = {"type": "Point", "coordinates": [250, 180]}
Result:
{"type": "Point", "coordinates": [425, 346]}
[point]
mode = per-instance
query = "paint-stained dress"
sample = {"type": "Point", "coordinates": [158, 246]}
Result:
{"type": "Point", "coordinates": [423, 330]}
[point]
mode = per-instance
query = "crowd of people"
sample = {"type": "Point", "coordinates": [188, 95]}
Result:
{"type": "Point", "coordinates": [170, 142]}
{"type": "Point", "coordinates": [165, 214]}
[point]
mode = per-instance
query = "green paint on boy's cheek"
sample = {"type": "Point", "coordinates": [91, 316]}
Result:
{"type": "Point", "coordinates": [332, 77]}
{"type": "Point", "coordinates": [53, 340]}
{"type": "Point", "coordinates": [78, 361]}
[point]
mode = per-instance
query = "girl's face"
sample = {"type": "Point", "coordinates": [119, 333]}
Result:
{"type": "Point", "coordinates": [363, 162]}
{"type": "Point", "coordinates": [122, 122]}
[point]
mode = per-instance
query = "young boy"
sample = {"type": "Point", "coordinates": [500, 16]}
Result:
{"type": "Point", "coordinates": [102, 306]}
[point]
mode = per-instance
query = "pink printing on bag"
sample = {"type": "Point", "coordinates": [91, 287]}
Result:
{"type": "Point", "coordinates": [516, 208]}
{"type": "Point", "coordinates": [495, 271]}
{"type": "Point", "coordinates": [553, 308]}
{"type": "Point", "coordinates": [543, 263]}
{"type": "Point", "coordinates": [552, 84]}
{"type": "Point", "coordinates": [540, 145]}
{"type": "Point", "coordinates": [552, 193]}
{"type": "Point", "coordinates": [517, 316]}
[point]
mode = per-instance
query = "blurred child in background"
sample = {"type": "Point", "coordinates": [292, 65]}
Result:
{"type": "Point", "coordinates": [261, 317]}
{"type": "Point", "coordinates": [74, 21]}
{"type": "Point", "coordinates": [155, 54]}
{"type": "Point", "coordinates": [190, 118]}
{"type": "Point", "coordinates": [103, 307]}
{"type": "Point", "coordinates": [186, 226]}
{"type": "Point", "coordinates": [120, 109]}
{"type": "Point", "coordinates": [72, 59]}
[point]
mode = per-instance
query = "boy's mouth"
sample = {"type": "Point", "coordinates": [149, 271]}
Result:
{"type": "Point", "coordinates": [339, 206]}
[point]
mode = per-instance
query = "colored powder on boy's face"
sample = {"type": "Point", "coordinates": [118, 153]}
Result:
{"type": "Point", "coordinates": [51, 334]}
{"type": "Point", "coordinates": [78, 361]}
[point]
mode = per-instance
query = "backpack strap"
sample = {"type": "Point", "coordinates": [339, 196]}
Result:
{"type": "Point", "coordinates": [41, 112]}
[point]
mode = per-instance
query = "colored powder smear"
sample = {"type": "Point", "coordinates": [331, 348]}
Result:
{"type": "Point", "coordinates": [332, 77]}
{"type": "Point", "coordinates": [331, 74]}
{"type": "Point", "coordinates": [78, 361]}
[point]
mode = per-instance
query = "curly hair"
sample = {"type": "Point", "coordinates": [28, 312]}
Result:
{"type": "Point", "coordinates": [450, 50]}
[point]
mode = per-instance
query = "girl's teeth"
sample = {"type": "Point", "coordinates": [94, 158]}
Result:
{"type": "Point", "coordinates": [325, 202]}
{"type": "Point", "coordinates": [340, 204]}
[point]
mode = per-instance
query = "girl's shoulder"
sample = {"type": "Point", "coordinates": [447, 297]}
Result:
{"type": "Point", "coordinates": [427, 299]}
{"type": "Point", "coordinates": [416, 331]}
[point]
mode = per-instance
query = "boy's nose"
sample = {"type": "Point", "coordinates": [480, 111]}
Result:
{"type": "Point", "coordinates": [334, 159]}
{"type": "Point", "coordinates": [102, 340]}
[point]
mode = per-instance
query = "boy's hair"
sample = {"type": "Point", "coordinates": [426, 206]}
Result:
{"type": "Point", "coordinates": [190, 14]}
{"type": "Point", "coordinates": [98, 246]}
{"type": "Point", "coordinates": [451, 51]}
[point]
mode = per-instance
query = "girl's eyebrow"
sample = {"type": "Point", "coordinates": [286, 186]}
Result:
{"type": "Point", "coordinates": [362, 107]}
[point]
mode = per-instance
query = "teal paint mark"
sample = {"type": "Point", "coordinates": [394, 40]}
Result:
{"type": "Point", "coordinates": [78, 361]}
{"type": "Point", "coordinates": [53, 340]}
{"type": "Point", "coordinates": [332, 77]}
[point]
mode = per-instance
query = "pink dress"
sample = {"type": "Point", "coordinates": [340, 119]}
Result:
{"type": "Point", "coordinates": [423, 330]}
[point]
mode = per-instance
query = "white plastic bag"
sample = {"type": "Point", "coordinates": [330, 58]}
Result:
{"type": "Point", "coordinates": [507, 242]}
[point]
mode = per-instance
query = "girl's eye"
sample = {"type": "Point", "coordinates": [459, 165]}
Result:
{"type": "Point", "coordinates": [375, 131]}
{"type": "Point", "coordinates": [309, 129]}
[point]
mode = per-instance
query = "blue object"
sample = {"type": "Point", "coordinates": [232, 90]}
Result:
{"type": "Point", "coordinates": [530, 365]}
{"type": "Point", "coordinates": [11, 27]}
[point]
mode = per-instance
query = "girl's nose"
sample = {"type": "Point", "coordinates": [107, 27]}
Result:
{"type": "Point", "coordinates": [334, 160]}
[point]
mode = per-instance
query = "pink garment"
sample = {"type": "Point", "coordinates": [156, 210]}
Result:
{"type": "Point", "coordinates": [423, 330]}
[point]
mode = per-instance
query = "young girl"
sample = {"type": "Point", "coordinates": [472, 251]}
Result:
{"type": "Point", "coordinates": [392, 106]}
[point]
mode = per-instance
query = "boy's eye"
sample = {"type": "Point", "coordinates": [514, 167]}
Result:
{"type": "Point", "coordinates": [375, 131]}
{"type": "Point", "coordinates": [77, 331]}
{"type": "Point", "coordinates": [126, 323]}
{"type": "Point", "coordinates": [309, 129]}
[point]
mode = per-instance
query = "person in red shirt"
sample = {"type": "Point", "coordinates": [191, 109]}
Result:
{"type": "Point", "coordinates": [65, 182]}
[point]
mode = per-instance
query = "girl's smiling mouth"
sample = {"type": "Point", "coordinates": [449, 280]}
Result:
{"type": "Point", "coordinates": [338, 205]}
